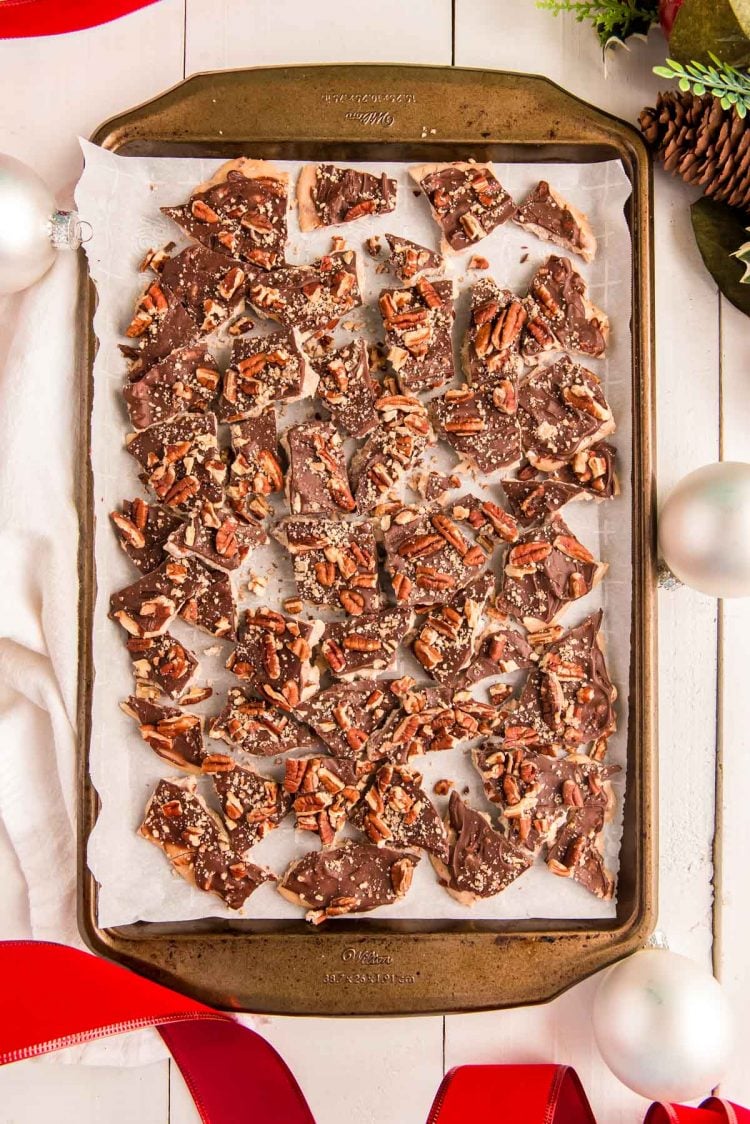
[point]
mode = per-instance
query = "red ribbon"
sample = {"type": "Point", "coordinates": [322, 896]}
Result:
{"type": "Point", "coordinates": [22, 19]}
{"type": "Point", "coordinates": [54, 996]}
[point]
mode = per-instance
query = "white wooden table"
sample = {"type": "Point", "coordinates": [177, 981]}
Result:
{"type": "Point", "coordinates": [387, 1070]}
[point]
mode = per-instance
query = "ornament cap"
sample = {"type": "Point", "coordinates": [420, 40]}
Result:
{"type": "Point", "coordinates": [67, 231]}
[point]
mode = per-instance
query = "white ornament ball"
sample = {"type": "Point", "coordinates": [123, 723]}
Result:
{"type": "Point", "coordinates": [704, 530]}
{"type": "Point", "coordinates": [663, 1026]}
{"type": "Point", "coordinates": [26, 210]}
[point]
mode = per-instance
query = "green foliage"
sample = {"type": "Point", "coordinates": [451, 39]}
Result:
{"type": "Point", "coordinates": [730, 86]}
{"type": "Point", "coordinates": [612, 20]}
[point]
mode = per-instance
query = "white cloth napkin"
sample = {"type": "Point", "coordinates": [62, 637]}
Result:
{"type": "Point", "coordinates": [39, 372]}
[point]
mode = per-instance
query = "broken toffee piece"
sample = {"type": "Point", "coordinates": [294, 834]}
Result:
{"type": "Point", "coordinates": [500, 651]}
{"type": "Point", "coordinates": [485, 436]}
{"type": "Point", "coordinates": [593, 471]}
{"type": "Point", "coordinates": [345, 715]}
{"type": "Point", "coordinates": [311, 297]}
{"type": "Point", "coordinates": [391, 449]}
{"type": "Point", "coordinates": [482, 861]}
{"type": "Point", "coordinates": [418, 321]}
{"type": "Point", "coordinates": [335, 563]}
{"type": "Point", "coordinates": [317, 481]}
{"type": "Point", "coordinates": [148, 606]}
{"type": "Point", "coordinates": [216, 535]}
{"type": "Point", "coordinates": [490, 523]}
{"type": "Point", "coordinates": [561, 410]}
{"type": "Point", "coordinates": [257, 727]}
{"type": "Point", "coordinates": [255, 470]}
{"type": "Point", "coordinates": [427, 556]}
{"type": "Point", "coordinates": [210, 285]}
{"type": "Point", "coordinates": [273, 654]}
{"type": "Point", "coordinates": [328, 195]}
{"type": "Point", "coordinates": [533, 501]}
{"type": "Point", "coordinates": [173, 734]}
{"type": "Point", "coordinates": [181, 461]}
{"type": "Point", "coordinates": [192, 837]}
{"type": "Point", "coordinates": [263, 370]}
{"type": "Point", "coordinates": [557, 297]}
{"type": "Point", "coordinates": [575, 852]}
{"type": "Point", "coordinates": [324, 789]}
{"type": "Point", "coordinates": [185, 382]}
{"type": "Point", "coordinates": [491, 351]}
{"type": "Point", "coordinates": [352, 878]}
{"type": "Point", "coordinates": [546, 569]}
{"type": "Point", "coordinates": [394, 810]}
{"type": "Point", "coordinates": [366, 644]}
{"type": "Point", "coordinates": [434, 486]}
{"type": "Point", "coordinates": [409, 260]}
{"type": "Point", "coordinates": [240, 211]}
{"type": "Point", "coordinates": [161, 665]}
{"type": "Point", "coordinates": [253, 805]}
{"type": "Point", "coordinates": [545, 213]}
{"type": "Point", "coordinates": [211, 604]}
{"type": "Point", "coordinates": [142, 530]}
{"type": "Point", "coordinates": [160, 325]}
{"type": "Point", "coordinates": [346, 388]}
{"type": "Point", "coordinates": [467, 201]}
{"type": "Point", "coordinates": [445, 644]}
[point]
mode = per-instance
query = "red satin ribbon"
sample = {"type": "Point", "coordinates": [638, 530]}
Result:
{"type": "Point", "coordinates": [22, 19]}
{"type": "Point", "coordinates": [53, 996]}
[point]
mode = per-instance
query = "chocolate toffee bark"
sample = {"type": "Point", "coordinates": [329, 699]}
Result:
{"type": "Point", "coordinates": [211, 604]}
{"type": "Point", "coordinates": [430, 720]}
{"type": "Point", "coordinates": [491, 350]}
{"type": "Point", "coordinates": [192, 837]}
{"type": "Point", "coordinates": [353, 878]}
{"type": "Point", "coordinates": [482, 862]}
{"type": "Point", "coordinates": [161, 665]}
{"type": "Point", "coordinates": [240, 211]}
{"type": "Point", "coordinates": [364, 645]}
{"type": "Point", "coordinates": [257, 727]}
{"type": "Point", "coordinates": [317, 481]}
{"type": "Point", "coordinates": [391, 449]}
{"type": "Point", "coordinates": [142, 530]}
{"type": "Point", "coordinates": [181, 461]}
{"type": "Point", "coordinates": [161, 324]}
{"type": "Point", "coordinates": [328, 195]}
{"type": "Point", "coordinates": [491, 525]}
{"type": "Point", "coordinates": [409, 260]}
{"type": "Point", "coordinates": [562, 410]}
{"type": "Point", "coordinates": [445, 644]}
{"type": "Point", "coordinates": [545, 213]}
{"type": "Point", "coordinates": [427, 556]}
{"type": "Point", "coordinates": [486, 436]}
{"type": "Point", "coordinates": [418, 321]}
{"type": "Point", "coordinates": [215, 535]}
{"type": "Point", "coordinates": [323, 790]}
{"type": "Point", "coordinates": [263, 370]}
{"type": "Point", "coordinates": [173, 734]}
{"type": "Point", "coordinates": [575, 853]}
{"type": "Point", "coordinates": [335, 563]}
{"type": "Point", "coordinates": [253, 805]}
{"type": "Point", "coordinates": [434, 486]}
{"type": "Point", "coordinates": [185, 382]}
{"type": "Point", "coordinates": [593, 471]}
{"type": "Point", "coordinates": [347, 389]}
{"type": "Point", "coordinates": [557, 298]}
{"type": "Point", "coordinates": [533, 501]}
{"type": "Point", "coordinates": [345, 715]}
{"type": "Point", "coordinates": [396, 812]}
{"type": "Point", "coordinates": [546, 570]}
{"type": "Point", "coordinates": [500, 651]}
{"type": "Point", "coordinates": [273, 655]}
{"type": "Point", "coordinates": [310, 298]}
{"type": "Point", "coordinates": [467, 201]}
{"type": "Point", "coordinates": [148, 606]}
{"type": "Point", "coordinates": [536, 792]}
{"type": "Point", "coordinates": [211, 286]}
{"type": "Point", "coordinates": [255, 470]}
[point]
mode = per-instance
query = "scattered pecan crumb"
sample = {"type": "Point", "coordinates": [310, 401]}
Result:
{"type": "Point", "coordinates": [337, 244]}
{"type": "Point", "coordinates": [478, 262]}
{"type": "Point", "coordinates": [372, 245]}
{"type": "Point", "coordinates": [292, 605]}
{"type": "Point", "coordinates": [443, 786]}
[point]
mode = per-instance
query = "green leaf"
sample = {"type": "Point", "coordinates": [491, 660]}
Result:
{"type": "Point", "coordinates": [705, 29]}
{"type": "Point", "coordinates": [720, 231]}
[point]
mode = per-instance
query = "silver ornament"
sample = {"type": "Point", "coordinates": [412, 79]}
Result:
{"type": "Point", "coordinates": [31, 227]}
{"type": "Point", "coordinates": [663, 1025]}
{"type": "Point", "coordinates": [704, 530]}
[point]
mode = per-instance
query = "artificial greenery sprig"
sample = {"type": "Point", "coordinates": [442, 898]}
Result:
{"type": "Point", "coordinates": [613, 20]}
{"type": "Point", "coordinates": [730, 86]}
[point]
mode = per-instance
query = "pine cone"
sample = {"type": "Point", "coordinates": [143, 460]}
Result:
{"type": "Point", "coordinates": [707, 145]}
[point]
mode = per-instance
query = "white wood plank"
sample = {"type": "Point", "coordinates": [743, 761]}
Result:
{"type": "Point", "coordinates": [372, 1071]}
{"type": "Point", "coordinates": [221, 33]}
{"type": "Point", "coordinates": [38, 1090]}
{"type": "Point", "coordinates": [62, 86]}
{"type": "Point", "coordinates": [732, 963]}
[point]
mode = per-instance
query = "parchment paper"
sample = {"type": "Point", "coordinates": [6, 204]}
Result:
{"type": "Point", "coordinates": [120, 197]}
